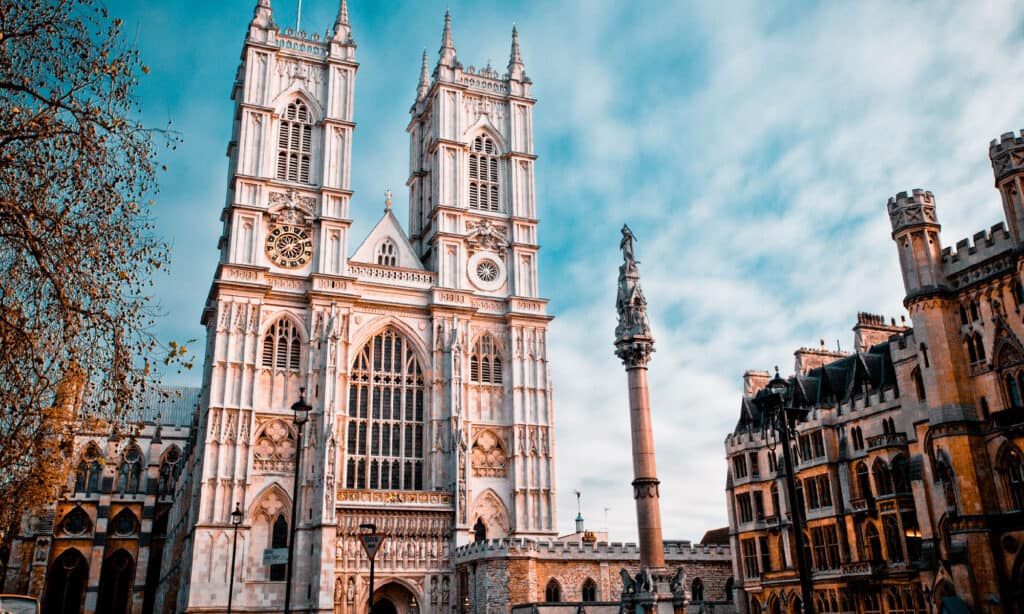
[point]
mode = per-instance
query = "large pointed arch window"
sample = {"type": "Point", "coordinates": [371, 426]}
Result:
{"type": "Point", "coordinates": [384, 447]}
{"type": "Point", "coordinates": [282, 347]}
{"type": "Point", "coordinates": [129, 476]}
{"type": "Point", "coordinates": [483, 175]}
{"type": "Point", "coordinates": [295, 143]}
{"type": "Point", "coordinates": [87, 474]}
{"type": "Point", "coordinates": [485, 366]}
{"type": "Point", "coordinates": [170, 469]}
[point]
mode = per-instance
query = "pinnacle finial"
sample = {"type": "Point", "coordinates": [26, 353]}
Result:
{"type": "Point", "coordinates": [515, 58]}
{"type": "Point", "coordinates": [447, 50]}
{"type": "Point", "coordinates": [342, 30]}
{"type": "Point", "coordinates": [387, 199]}
{"type": "Point", "coordinates": [424, 84]}
{"type": "Point", "coordinates": [633, 340]}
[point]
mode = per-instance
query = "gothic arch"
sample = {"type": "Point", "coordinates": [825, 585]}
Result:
{"type": "Point", "coordinates": [271, 502]}
{"type": "Point", "coordinates": [1007, 350]}
{"type": "Point", "coordinates": [489, 508]}
{"type": "Point", "coordinates": [273, 318]}
{"type": "Point", "coordinates": [380, 324]}
{"type": "Point", "coordinates": [489, 455]}
{"type": "Point", "coordinates": [484, 127]}
{"type": "Point", "coordinates": [281, 101]}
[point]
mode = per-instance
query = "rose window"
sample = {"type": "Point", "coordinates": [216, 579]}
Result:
{"type": "Point", "coordinates": [487, 271]}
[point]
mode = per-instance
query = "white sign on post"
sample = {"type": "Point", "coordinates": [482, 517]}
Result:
{"type": "Point", "coordinates": [275, 556]}
{"type": "Point", "coordinates": [371, 541]}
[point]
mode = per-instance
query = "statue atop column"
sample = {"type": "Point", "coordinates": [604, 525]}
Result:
{"type": "Point", "coordinates": [633, 339]}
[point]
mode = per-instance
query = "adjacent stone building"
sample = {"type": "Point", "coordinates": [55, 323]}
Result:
{"type": "Point", "coordinates": [909, 466]}
{"type": "Point", "coordinates": [98, 546]}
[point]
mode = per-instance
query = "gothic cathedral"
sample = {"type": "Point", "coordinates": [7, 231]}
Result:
{"type": "Point", "coordinates": [423, 354]}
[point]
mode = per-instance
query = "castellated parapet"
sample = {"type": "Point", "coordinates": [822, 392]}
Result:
{"type": "Point", "coordinates": [983, 246]}
{"type": "Point", "coordinates": [543, 549]}
{"type": "Point", "coordinates": [914, 209]}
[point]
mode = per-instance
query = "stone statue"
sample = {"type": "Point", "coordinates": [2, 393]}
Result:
{"type": "Point", "coordinates": [644, 581]}
{"type": "Point", "coordinates": [480, 530]}
{"type": "Point", "coordinates": [678, 582]}
{"type": "Point", "coordinates": [626, 245]}
{"type": "Point", "coordinates": [628, 585]}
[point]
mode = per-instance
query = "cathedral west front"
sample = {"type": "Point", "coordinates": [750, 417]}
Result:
{"type": "Point", "coordinates": [423, 355]}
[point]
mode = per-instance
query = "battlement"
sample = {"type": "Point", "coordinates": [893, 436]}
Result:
{"type": "Point", "coordinates": [302, 42]}
{"type": "Point", "coordinates": [981, 247]}
{"type": "Point", "coordinates": [913, 209]}
{"type": "Point", "coordinates": [1007, 154]}
{"type": "Point", "coordinates": [518, 547]}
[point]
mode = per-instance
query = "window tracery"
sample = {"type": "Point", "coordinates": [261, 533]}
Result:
{"type": "Point", "coordinates": [170, 469]}
{"type": "Point", "coordinates": [87, 474]}
{"type": "Point", "coordinates": [883, 477]}
{"type": "Point", "coordinates": [485, 365]}
{"type": "Point", "coordinates": [589, 590]}
{"type": "Point", "coordinates": [295, 143]}
{"type": "Point", "coordinates": [385, 431]}
{"type": "Point", "coordinates": [483, 175]}
{"type": "Point", "coordinates": [275, 447]}
{"type": "Point", "coordinates": [282, 346]}
{"type": "Point", "coordinates": [553, 592]}
{"type": "Point", "coordinates": [129, 476]}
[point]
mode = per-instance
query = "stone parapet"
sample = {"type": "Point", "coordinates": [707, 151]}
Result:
{"type": "Point", "coordinates": [971, 252]}
{"type": "Point", "coordinates": [515, 547]}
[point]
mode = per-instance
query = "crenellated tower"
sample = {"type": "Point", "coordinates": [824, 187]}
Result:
{"type": "Point", "coordinates": [915, 229]}
{"type": "Point", "coordinates": [1007, 157]}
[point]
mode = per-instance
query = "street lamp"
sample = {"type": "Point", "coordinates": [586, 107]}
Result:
{"type": "Point", "coordinates": [301, 409]}
{"type": "Point", "coordinates": [236, 519]}
{"type": "Point", "coordinates": [778, 420]}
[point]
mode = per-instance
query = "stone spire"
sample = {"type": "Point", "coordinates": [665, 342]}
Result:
{"type": "Point", "coordinates": [263, 16]}
{"type": "Point", "coordinates": [424, 85]}
{"type": "Point", "coordinates": [447, 50]}
{"type": "Point", "coordinates": [634, 345]}
{"type": "Point", "coordinates": [515, 60]}
{"type": "Point", "coordinates": [342, 30]}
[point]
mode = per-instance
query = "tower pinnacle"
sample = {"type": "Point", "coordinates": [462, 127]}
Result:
{"type": "Point", "coordinates": [263, 15]}
{"type": "Point", "coordinates": [342, 30]}
{"type": "Point", "coordinates": [424, 85]}
{"type": "Point", "coordinates": [447, 50]}
{"type": "Point", "coordinates": [633, 341]}
{"type": "Point", "coordinates": [515, 59]}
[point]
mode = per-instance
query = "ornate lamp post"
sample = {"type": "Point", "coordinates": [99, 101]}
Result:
{"type": "Point", "coordinates": [778, 425]}
{"type": "Point", "coordinates": [236, 519]}
{"type": "Point", "coordinates": [301, 409]}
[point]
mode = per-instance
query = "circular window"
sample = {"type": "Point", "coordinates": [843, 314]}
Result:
{"type": "Point", "coordinates": [76, 522]}
{"type": "Point", "coordinates": [124, 523]}
{"type": "Point", "coordinates": [486, 271]}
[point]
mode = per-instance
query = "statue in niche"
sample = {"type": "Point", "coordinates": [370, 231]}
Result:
{"type": "Point", "coordinates": [339, 591]}
{"type": "Point", "coordinates": [350, 593]}
{"type": "Point", "coordinates": [480, 530]}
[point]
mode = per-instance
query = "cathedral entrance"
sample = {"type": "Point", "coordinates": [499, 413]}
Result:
{"type": "Point", "coordinates": [65, 583]}
{"type": "Point", "coordinates": [394, 598]}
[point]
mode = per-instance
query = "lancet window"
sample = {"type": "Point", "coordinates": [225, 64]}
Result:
{"type": "Point", "coordinates": [279, 539]}
{"type": "Point", "coordinates": [129, 476]}
{"type": "Point", "coordinates": [387, 253]}
{"type": "Point", "coordinates": [483, 175]}
{"type": "Point", "coordinates": [87, 474]}
{"type": "Point", "coordinates": [1012, 468]}
{"type": "Point", "coordinates": [485, 363]}
{"type": "Point", "coordinates": [295, 143]}
{"type": "Point", "coordinates": [385, 430]}
{"type": "Point", "coordinates": [170, 469]}
{"type": "Point", "coordinates": [282, 347]}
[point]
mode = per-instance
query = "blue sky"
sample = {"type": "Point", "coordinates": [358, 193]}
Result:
{"type": "Point", "coordinates": [751, 148]}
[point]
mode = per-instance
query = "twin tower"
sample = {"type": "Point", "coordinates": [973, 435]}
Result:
{"type": "Point", "coordinates": [423, 353]}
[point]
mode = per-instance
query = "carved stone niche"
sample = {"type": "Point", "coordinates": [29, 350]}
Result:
{"type": "Point", "coordinates": [275, 447]}
{"type": "Point", "coordinates": [488, 456]}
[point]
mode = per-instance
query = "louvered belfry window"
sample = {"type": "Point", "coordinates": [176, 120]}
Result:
{"type": "Point", "coordinates": [483, 175]}
{"type": "Point", "coordinates": [282, 347]}
{"type": "Point", "coordinates": [485, 363]}
{"type": "Point", "coordinates": [384, 445]}
{"type": "Point", "coordinates": [295, 143]}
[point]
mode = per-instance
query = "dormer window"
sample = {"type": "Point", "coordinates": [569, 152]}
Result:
{"type": "Point", "coordinates": [483, 175]}
{"type": "Point", "coordinates": [295, 143]}
{"type": "Point", "coordinates": [387, 253]}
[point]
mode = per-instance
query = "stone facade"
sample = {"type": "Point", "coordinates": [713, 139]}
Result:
{"type": "Point", "coordinates": [423, 355]}
{"type": "Point", "coordinates": [497, 575]}
{"type": "Point", "coordinates": [909, 465]}
{"type": "Point", "coordinates": [98, 546]}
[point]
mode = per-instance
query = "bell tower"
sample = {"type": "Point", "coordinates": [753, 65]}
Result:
{"type": "Point", "coordinates": [472, 213]}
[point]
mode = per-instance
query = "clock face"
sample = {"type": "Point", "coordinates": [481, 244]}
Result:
{"type": "Point", "coordinates": [289, 246]}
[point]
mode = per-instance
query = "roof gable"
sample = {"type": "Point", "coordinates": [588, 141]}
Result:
{"type": "Point", "coordinates": [386, 229]}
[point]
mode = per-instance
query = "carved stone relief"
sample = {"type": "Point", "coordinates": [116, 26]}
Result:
{"type": "Point", "coordinates": [275, 447]}
{"type": "Point", "coordinates": [488, 456]}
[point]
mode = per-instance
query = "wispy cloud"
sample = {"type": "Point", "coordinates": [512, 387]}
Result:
{"type": "Point", "coordinates": [751, 150]}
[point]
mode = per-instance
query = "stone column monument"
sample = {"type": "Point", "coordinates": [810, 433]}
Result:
{"type": "Point", "coordinates": [655, 588]}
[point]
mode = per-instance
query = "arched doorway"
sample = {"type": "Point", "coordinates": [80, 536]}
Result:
{"type": "Point", "coordinates": [116, 579]}
{"type": "Point", "coordinates": [394, 598]}
{"type": "Point", "coordinates": [65, 583]}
